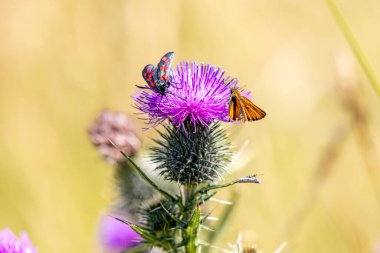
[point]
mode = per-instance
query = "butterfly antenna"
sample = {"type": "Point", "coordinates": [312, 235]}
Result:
{"type": "Point", "coordinates": [232, 83]}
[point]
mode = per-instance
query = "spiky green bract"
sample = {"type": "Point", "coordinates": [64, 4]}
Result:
{"type": "Point", "coordinates": [192, 156]}
{"type": "Point", "coordinates": [159, 216]}
{"type": "Point", "coordinates": [131, 187]}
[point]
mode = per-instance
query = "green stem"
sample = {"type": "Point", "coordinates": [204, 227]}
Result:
{"type": "Point", "coordinates": [188, 192]}
{"type": "Point", "coordinates": [192, 215]}
{"type": "Point", "coordinates": [355, 46]}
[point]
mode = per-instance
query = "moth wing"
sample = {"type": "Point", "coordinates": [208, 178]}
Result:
{"type": "Point", "coordinates": [252, 111]}
{"type": "Point", "coordinates": [148, 74]}
{"type": "Point", "coordinates": [164, 66]}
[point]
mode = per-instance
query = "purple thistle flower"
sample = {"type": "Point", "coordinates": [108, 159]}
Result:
{"type": "Point", "coordinates": [9, 243]}
{"type": "Point", "coordinates": [116, 236]}
{"type": "Point", "coordinates": [198, 93]}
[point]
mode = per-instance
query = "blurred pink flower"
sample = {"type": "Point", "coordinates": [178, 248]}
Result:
{"type": "Point", "coordinates": [9, 243]}
{"type": "Point", "coordinates": [116, 236]}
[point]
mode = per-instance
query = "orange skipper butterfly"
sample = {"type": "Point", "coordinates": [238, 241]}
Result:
{"type": "Point", "coordinates": [242, 109]}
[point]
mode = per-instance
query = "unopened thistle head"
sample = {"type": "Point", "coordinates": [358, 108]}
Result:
{"type": "Point", "coordinates": [157, 214]}
{"type": "Point", "coordinates": [115, 127]}
{"type": "Point", "coordinates": [9, 243]}
{"type": "Point", "coordinates": [190, 157]}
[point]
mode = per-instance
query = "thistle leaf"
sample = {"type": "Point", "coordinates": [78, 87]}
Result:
{"type": "Point", "coordinates": [141, 231]}
{"type": "Point", "coordinates": [143, 175]}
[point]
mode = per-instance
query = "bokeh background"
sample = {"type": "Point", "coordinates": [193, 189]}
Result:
{"type": "Point", "coordinates": [61, 62]}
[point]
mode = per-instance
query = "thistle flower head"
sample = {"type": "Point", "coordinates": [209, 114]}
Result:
{"type": "Point", "coordinates": [9, 243]}
{"type": "Point", "coordinates": [119, 129]}
{"type": "Point", "coordinates": [198, 94]}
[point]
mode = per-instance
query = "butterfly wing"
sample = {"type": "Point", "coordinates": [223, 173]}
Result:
{"type": "Point", "coordinates": [232, 109]}
{"type": "Point", "coordinates": [242, 109]}
{"type": "Point", "coordinates": [236, 111]}
{"type": "Point", "coordinates": [251, 110]}
{"type": "Point", "coordinates": [148, 74]}
{"type": "Point", "coordinates": [164, 66]}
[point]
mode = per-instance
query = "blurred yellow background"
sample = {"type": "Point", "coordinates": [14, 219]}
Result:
{"type": "Point", "coordinates": [61, 62]}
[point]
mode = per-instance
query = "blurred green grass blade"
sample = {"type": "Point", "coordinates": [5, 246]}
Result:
{"type": "Point", "coordinates": [355, 46]}
{"type": "Point", "coordinates": [225, 217]}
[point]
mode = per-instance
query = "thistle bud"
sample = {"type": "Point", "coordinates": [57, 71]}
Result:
{"type": "Point", "coordinates": [115, 127]}
{"type": "Point", "coordinates": [157, 215]}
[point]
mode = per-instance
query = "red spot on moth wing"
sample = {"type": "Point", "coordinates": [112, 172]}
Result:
{"type": "Point", "coordinates": [148, 69]}
{"type": "Point", "coordinates": [148, 74]}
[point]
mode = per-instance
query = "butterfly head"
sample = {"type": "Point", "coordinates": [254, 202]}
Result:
{"type": "Point", "coordinates": [232, 84]}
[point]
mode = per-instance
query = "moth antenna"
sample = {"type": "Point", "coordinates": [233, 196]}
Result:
{"type": "Point", "coordinates": [142, 87]}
